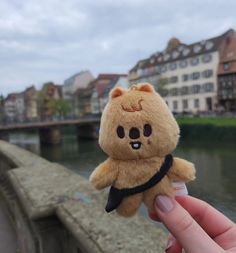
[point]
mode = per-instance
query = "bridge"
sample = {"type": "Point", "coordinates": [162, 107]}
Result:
{"type": "Point", "coordinates": [49, 131]}
{"type": "Point", "coordinates": [54, 210]}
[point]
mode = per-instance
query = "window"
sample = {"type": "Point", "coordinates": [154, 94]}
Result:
{"type": "Point", "coordinates": [208, 87]}
{"type": "Point", "coordinates": [174, 92]}
{"type": "Point", "coordinates": [175, 105]}
{"type": "Point", "coordinates": [183, 64]}
{"type": "Point", "coordinates": [206, 58]}
{"type": "Point", "coordinates": [152, 60]}
{"type": "Point", "coordinates": [174, 79]}
{"type": "Point", "coordinates": [185, 77]}
{"type": "Point", "coordinates": [175, 54]}
{"type": "Point", "coordinates": [209, 45]}
{"type": "Point", "coordinates": [162, 81]}
{"type": "Point", "coordinates": [195, 75]}
{"type": "Point", "coordinates": [194, 61]}
{"type": "Point", "coordinates": [185, 104]}
{"type": "Point", "coordinates": [226, 66]}
{"type": "Point", "coordinates": [184, 90]}
{"type": "Point", "coordinates": [163, 68]}
{"type": "Point", "coordinates": [157, 69]}
{"type": "Point", "coordinates": [196, 88]}
{"type": "Point", "coordinates": [172, 66]}
{"type": "Point", "coordinates": [207, 73]}
{"type": "Point", "coordinates": [166, 57]}
{"type": "Point", "coordinates": [196, 103]}
{"type": "Point", "coordinates": [186, 51]}
{"type": "Point", "coordinates": [197, 48]}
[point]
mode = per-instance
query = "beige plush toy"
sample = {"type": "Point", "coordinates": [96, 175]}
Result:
{"type": "Point", "coordinates": [138, 133]}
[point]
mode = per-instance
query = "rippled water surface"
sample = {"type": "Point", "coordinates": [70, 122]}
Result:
{"type": "Point", "coordinates": [215, 163]}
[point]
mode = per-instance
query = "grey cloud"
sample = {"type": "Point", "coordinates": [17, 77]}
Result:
{"type": "Point", "coordinates": [51, 39]}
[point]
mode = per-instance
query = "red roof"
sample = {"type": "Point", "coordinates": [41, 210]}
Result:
{"type": "Point", "coordinates": [103, 80]}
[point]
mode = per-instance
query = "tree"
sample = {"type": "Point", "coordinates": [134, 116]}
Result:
{"type": "Point", "coordinates": [160, 87]}
{"type": "Point", "coordinates": [59, 107]}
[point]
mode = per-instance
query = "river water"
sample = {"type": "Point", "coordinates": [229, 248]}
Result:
{"type": "Point", "coordinates": [215, 164]}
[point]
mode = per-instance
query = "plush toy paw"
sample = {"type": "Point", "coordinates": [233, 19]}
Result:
{"type": "Point", "coordinates": [96, 181]}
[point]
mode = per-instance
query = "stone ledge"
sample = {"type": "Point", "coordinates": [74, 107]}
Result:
{"type": "Point", "coordinates": [101, 232]}
{"type": "Point", "coordinates": [41, 190]}
{"type": "Point", "coordinates": [21, 157]}
{"type": "Point", "coordinates": [46, 188]}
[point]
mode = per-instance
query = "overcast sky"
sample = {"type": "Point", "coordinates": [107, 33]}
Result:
{"type": "Point", "coordinates": [50, 40]}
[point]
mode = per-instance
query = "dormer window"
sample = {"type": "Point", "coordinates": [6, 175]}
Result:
{"type": "Point", "coordinates": [181, 48]}
{"type": "Point", "coordinates": [209, 45]}
{"type": "Point", "coordinates": [186, 51]}
{"type": "Point", "coordinates": [166, 57]}
{"type": "Point", "coordinates": [175, 54]}
{"type": "Point", "coordinates": [197, 49]}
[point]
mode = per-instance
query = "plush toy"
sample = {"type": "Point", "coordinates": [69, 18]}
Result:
{"type": "Point", "coordinates": [138, 133]}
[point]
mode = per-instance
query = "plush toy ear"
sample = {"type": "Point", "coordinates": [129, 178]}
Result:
{"type": "Point", "coordinates": [116, 92]}
{"type": "Point", "coordinates": [146, 87]}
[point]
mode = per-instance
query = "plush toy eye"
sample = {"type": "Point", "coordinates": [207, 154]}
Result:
{"type": "Point", "coordinates": [120, 132]}
{"type": "Point", "coordinates": [147, 131]}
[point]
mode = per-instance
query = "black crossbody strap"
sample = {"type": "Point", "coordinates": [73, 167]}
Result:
{"type": "Point", "coordinates": [116, 195]}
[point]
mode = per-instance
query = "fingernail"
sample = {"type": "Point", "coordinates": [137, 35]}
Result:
{"type": "Point", "coordinates": [164, 203]}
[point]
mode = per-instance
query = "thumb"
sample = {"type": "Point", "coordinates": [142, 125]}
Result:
{"type": "Point", "coordinates": [183, 227]}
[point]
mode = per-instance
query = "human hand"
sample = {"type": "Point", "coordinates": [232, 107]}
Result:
{"type": "Point", "coordinates": [194, 225]}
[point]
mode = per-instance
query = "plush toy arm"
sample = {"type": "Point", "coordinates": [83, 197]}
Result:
{"type": "Point", "coordinates": [182, 170]}
{"type": "Point", "coordinates": [104, 175]}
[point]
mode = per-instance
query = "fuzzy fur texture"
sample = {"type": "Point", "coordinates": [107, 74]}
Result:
{"type": "Point", "coordinates": [137, 153]}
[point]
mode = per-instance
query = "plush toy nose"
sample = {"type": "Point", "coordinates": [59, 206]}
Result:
{"type": "Point", "coordinates": [134, 133]}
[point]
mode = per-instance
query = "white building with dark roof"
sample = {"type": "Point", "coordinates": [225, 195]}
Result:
{"type": "Point", "coordinates": [185, 75]}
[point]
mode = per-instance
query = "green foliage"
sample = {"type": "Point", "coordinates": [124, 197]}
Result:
{"type": "Point", "coordinates": [160, 87]}
{"type": "Point", "coordinates": [215, 121]}
{"type": "Point", "coordinates": [211, 129]}
{"type": "Point", "coordinates": [59, 107]}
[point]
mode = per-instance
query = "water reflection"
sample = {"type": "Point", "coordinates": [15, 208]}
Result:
{"type": "Point", "coordinates": [215, 163]}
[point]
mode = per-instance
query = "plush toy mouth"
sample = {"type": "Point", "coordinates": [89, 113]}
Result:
{"type": "Point", "coordinates": [135, 144]}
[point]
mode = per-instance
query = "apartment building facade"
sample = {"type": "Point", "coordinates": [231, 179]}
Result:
{"type": "Point", "coordinates": [185, 75]}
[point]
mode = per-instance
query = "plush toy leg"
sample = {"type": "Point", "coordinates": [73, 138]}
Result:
{"type": "Point", "coordinates": [162, 188]}
{"type": "Point", "coordinates": [181, 170]}
{"type": "Point", "coordinates": [130, 205]}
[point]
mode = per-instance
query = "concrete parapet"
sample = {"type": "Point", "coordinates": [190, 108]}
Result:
{"type": "Point", "coordinates": [56, 210]}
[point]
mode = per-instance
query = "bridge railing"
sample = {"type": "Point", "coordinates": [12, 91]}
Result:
{"type": "Point", "coordinates": [56, 210]}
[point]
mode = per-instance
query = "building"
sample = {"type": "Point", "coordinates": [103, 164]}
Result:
{"type": "Point", "coordinates": [121, 81]}
{"type": "Point", "coordinates": [100, 85]}
{"type": "Point", "coordinates": [82, 98]}
{"type": "Point", "coordinates": [49, 92]}
{"type": "Point", "coordinates": [14, 107]}
{"type": "Point", "coordinates": [185, 75]}
{"type": "Point", "coordinates": [227, 76]}
{"type": "Point", "coordinates": [31, 103]}
{"type": "Point", "coordinates": [75, 82]}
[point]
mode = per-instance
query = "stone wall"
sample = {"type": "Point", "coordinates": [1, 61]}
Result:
{"type": "Point", "coordinates": [56, 210]}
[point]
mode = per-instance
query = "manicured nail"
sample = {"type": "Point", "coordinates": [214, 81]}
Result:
{"type": "Point", "coordinates": [164, 203]}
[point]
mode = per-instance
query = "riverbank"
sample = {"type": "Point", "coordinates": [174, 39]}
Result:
{"type": "Point", "coordinates": [211, 128]}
